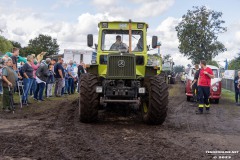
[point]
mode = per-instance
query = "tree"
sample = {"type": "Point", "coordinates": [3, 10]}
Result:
{"type": "Point", "coordinates": [178, 68]}
{"type": "Point", "coordinates": [16, 44]}
{"type": "Point", "coordinates": [5, 45]}
{"type": "Point", "coordinates": [213, 63]}
{"type": "Point", "coordinates": [166, 57]}
{"type": "Point", "coordinates": [235, 63]}
{"type": "Point", "coordinates": [42, 43]}
{"type": "Point", "coordinates": [198, 34]}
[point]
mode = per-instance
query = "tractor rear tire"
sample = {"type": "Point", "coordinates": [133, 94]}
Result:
{"type": "Point", "coordinates": [156, 102]}
{"type": "Point", "coordinates": [89, 99]}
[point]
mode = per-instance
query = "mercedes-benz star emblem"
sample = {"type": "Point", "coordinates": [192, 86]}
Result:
{"type": "Point", "coordinates": [121, 63]}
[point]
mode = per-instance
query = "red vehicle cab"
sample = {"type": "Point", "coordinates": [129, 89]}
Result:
{"type": "Point", "coordinates": [216, 84]}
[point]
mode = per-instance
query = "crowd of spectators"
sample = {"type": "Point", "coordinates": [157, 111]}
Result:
{"type": "Point", "coordinates": [37, 76]}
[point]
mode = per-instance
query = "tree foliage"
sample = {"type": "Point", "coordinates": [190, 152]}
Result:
{"type": "Point", "coordinates": [213, 63]}
{"type": "Point", "coordinates": [5, 45]}
{"type": "Point", "coordinates": [178, 68]}
{"type": "Point", "coordinates": [16, 44]}
{"type": "Point", "coordinates": [198, 34]}
{"type": "Point", "coordinates": [42, 43]}
{"type": "Point", "coordinates": [166, 57]}
{"type": "Point", "coordinates": [235, 63]}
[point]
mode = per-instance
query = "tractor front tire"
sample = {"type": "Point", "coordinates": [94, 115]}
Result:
{"type": "Point", "coordinates": [89, 99]}
{"type": "Point", "coordinates": [154, 107]}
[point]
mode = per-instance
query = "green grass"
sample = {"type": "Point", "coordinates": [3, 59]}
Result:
{"type": "Point", "coordinates": [50, 102]}
{"type": "Point", "coordinates": [228, 95]}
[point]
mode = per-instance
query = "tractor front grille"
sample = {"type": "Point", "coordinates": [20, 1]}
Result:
{"type": "Point", "coordinates": [121, 66]}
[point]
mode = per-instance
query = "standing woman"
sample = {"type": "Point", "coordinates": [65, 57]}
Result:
{"type": "Point", "coordinates": [27, 78]}
{"type": "Point", "coordinates": [34, 83]}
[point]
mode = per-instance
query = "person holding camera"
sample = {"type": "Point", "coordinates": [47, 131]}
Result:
{"type": "Point", "coordinates": [42, 75]}
{"type": "Point", "coordinates": [237, 88]}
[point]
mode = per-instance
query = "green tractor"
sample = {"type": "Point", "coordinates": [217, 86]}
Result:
{"type": "Point", "coordinates": [122, 74]}
{"type": "Point", "coordinates": [167, 68]}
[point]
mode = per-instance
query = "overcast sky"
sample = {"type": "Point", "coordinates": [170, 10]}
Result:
{"type": "Point", "coordinates": [71, 20]}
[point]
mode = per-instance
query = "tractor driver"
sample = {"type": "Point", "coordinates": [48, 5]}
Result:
{"type": "Point", "coordinates": [118, 44]}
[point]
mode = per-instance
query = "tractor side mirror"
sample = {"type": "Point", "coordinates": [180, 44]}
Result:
{"type": "Point", "coordinates": [154, 41]}
{"type": "Point", "coordinates": [90, 40]}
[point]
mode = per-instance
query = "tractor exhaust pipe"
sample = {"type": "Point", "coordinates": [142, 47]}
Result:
{"type": "Point", "coordinates": [130, 36]}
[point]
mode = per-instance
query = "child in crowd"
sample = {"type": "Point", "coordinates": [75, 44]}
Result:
{"type": "Point", "coordinates": [50, 81]}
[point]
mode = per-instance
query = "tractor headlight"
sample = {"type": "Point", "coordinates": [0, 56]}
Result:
{"type": "Point", "coordinates": [140, 25]}
{"type": "Point", "coordinates": [214, 88]}
{"type": "Point", "coordinates": [104, 25]}
{"type": "Point", "coordinates": [169, 76]}
{"type": "Point", "coordinates": [141, 90]}
{"type": "Point", "coordinates": [99, 89]}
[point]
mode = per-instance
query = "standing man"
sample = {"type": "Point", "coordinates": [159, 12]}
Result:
{"type": "Point", "coordinates": [42, 75]}
{"type": "Point", "coordinates": [15, 54]}
{"type": "Point", "coordinates": [71, 76]}
{"type": "Point", "coordinates": [237, 87]}
{"type": "Point", "coordinates": [204, 83]}
{"type": "Point", "coordinates": [59, 77]}
{"type": "Point", "coordinates": [9, 82]}
{"type": "Point", "coordinates": [194, 85]}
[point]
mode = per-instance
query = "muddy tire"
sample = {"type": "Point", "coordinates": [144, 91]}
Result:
{"type": "Point", "coordinates": [188, 98]}
{"type": "Point", "coordinates": [216, 101]}
{"type": "Point", "coordinates": [154, 106]}
{"type": "Point", "coordinates": [89, 99]}
{"type": "Point", "coordinates": [172, 80]}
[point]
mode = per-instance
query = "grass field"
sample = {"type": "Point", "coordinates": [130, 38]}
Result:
{"type": "Point", "coordinates": [228, 95]}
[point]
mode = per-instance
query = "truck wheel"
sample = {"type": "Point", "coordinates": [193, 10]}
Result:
{"type": "Point", "coordinates": [154, 107]}
{"type": "Point", "coordinates": [188, 98]}
{"type": "Point", "coordinates": [89, 99]}
{"type": "Point", "coordinates": [216, 101]}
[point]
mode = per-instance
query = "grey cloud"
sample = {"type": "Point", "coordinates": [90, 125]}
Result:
{"type": "Point", "coordinates": [19, 31]}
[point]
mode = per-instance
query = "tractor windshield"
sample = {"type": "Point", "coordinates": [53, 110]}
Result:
{"type": "Point", "coordinates": [115, 40]}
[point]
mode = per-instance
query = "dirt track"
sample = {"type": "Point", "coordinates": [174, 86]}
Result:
{"type": "Point", "coordinates": [54, 132]}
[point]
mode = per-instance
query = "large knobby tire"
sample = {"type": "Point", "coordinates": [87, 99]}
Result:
{"type": "Point", "coordinates": [156, 102]}
{"type": "Point", "coordinates": [89, 99]}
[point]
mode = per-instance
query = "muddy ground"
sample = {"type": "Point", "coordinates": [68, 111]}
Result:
{"type": "Point", "coordinates": [51, 130]}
